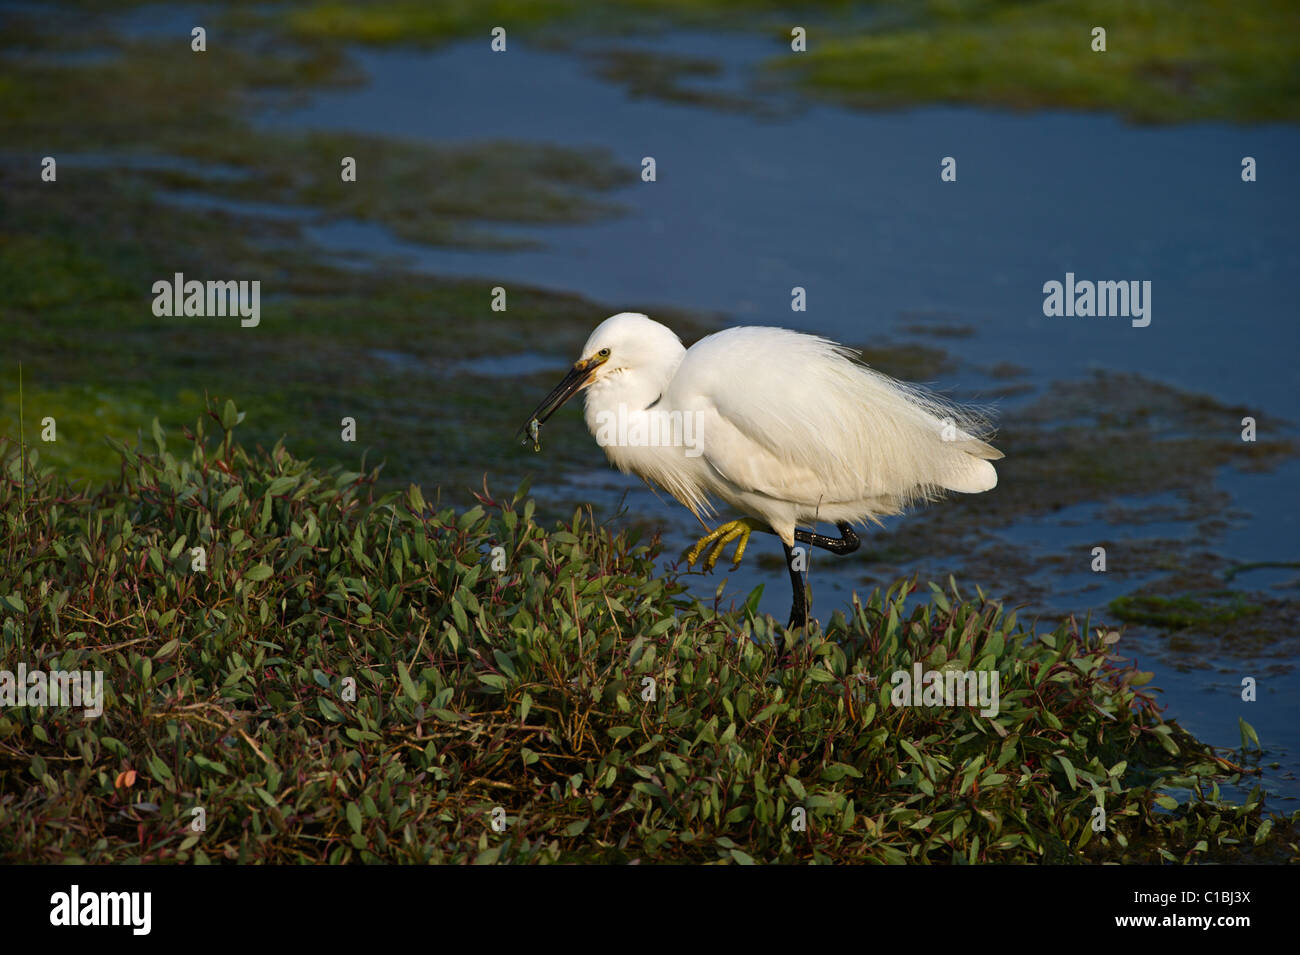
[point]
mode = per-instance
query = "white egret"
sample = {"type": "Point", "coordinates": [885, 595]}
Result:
{"type": "Point", "coordinates": [787, 428]}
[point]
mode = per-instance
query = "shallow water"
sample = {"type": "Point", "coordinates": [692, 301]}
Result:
{"type": "Point", "coordinates": [850, 206]}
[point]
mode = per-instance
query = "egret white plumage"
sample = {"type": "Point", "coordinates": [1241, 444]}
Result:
{"type": "Point", "coordinates": [787, 428]}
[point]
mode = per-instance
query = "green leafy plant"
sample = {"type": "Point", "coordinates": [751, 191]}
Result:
{"type": "Point", "coordinates": [526, 694]}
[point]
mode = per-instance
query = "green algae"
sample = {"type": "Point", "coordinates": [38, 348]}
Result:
{"type": "Point", "coordinates": [1164, 61]}
{"type": "Point", "coordinates": [1210, 612]}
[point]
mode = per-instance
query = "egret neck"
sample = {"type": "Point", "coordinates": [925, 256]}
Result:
{"type": "Point", "coordinates": [628, 401]}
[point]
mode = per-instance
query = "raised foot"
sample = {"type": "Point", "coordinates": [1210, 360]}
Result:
{"type": "Point", "coordinates": [716, 541]}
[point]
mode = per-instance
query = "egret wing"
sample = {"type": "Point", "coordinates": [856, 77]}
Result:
{"type": "Point", "coordinates": [797, 418]}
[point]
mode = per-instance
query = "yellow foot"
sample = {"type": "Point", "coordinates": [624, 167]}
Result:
{"type": "Point", "coordinates": [720, 538]}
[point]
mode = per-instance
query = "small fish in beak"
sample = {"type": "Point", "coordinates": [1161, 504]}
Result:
{"type": "Point", "coordinates": [579, 376]}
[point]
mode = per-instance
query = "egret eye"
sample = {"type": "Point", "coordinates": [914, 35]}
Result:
{"type": "Point", "coordinates": [603, 353]}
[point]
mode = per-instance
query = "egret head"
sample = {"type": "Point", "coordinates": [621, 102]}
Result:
{"type": "Point", "coordinates": [624, 343]}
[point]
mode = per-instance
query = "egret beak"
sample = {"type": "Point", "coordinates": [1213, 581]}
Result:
{"type": "Point", "coordinates": [579, 377]}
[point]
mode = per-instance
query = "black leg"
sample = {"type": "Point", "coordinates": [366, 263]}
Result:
{"type": "Point", "coordinates": [799, 609]}
{"type": "Point", "coordinates": [846, 544]}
